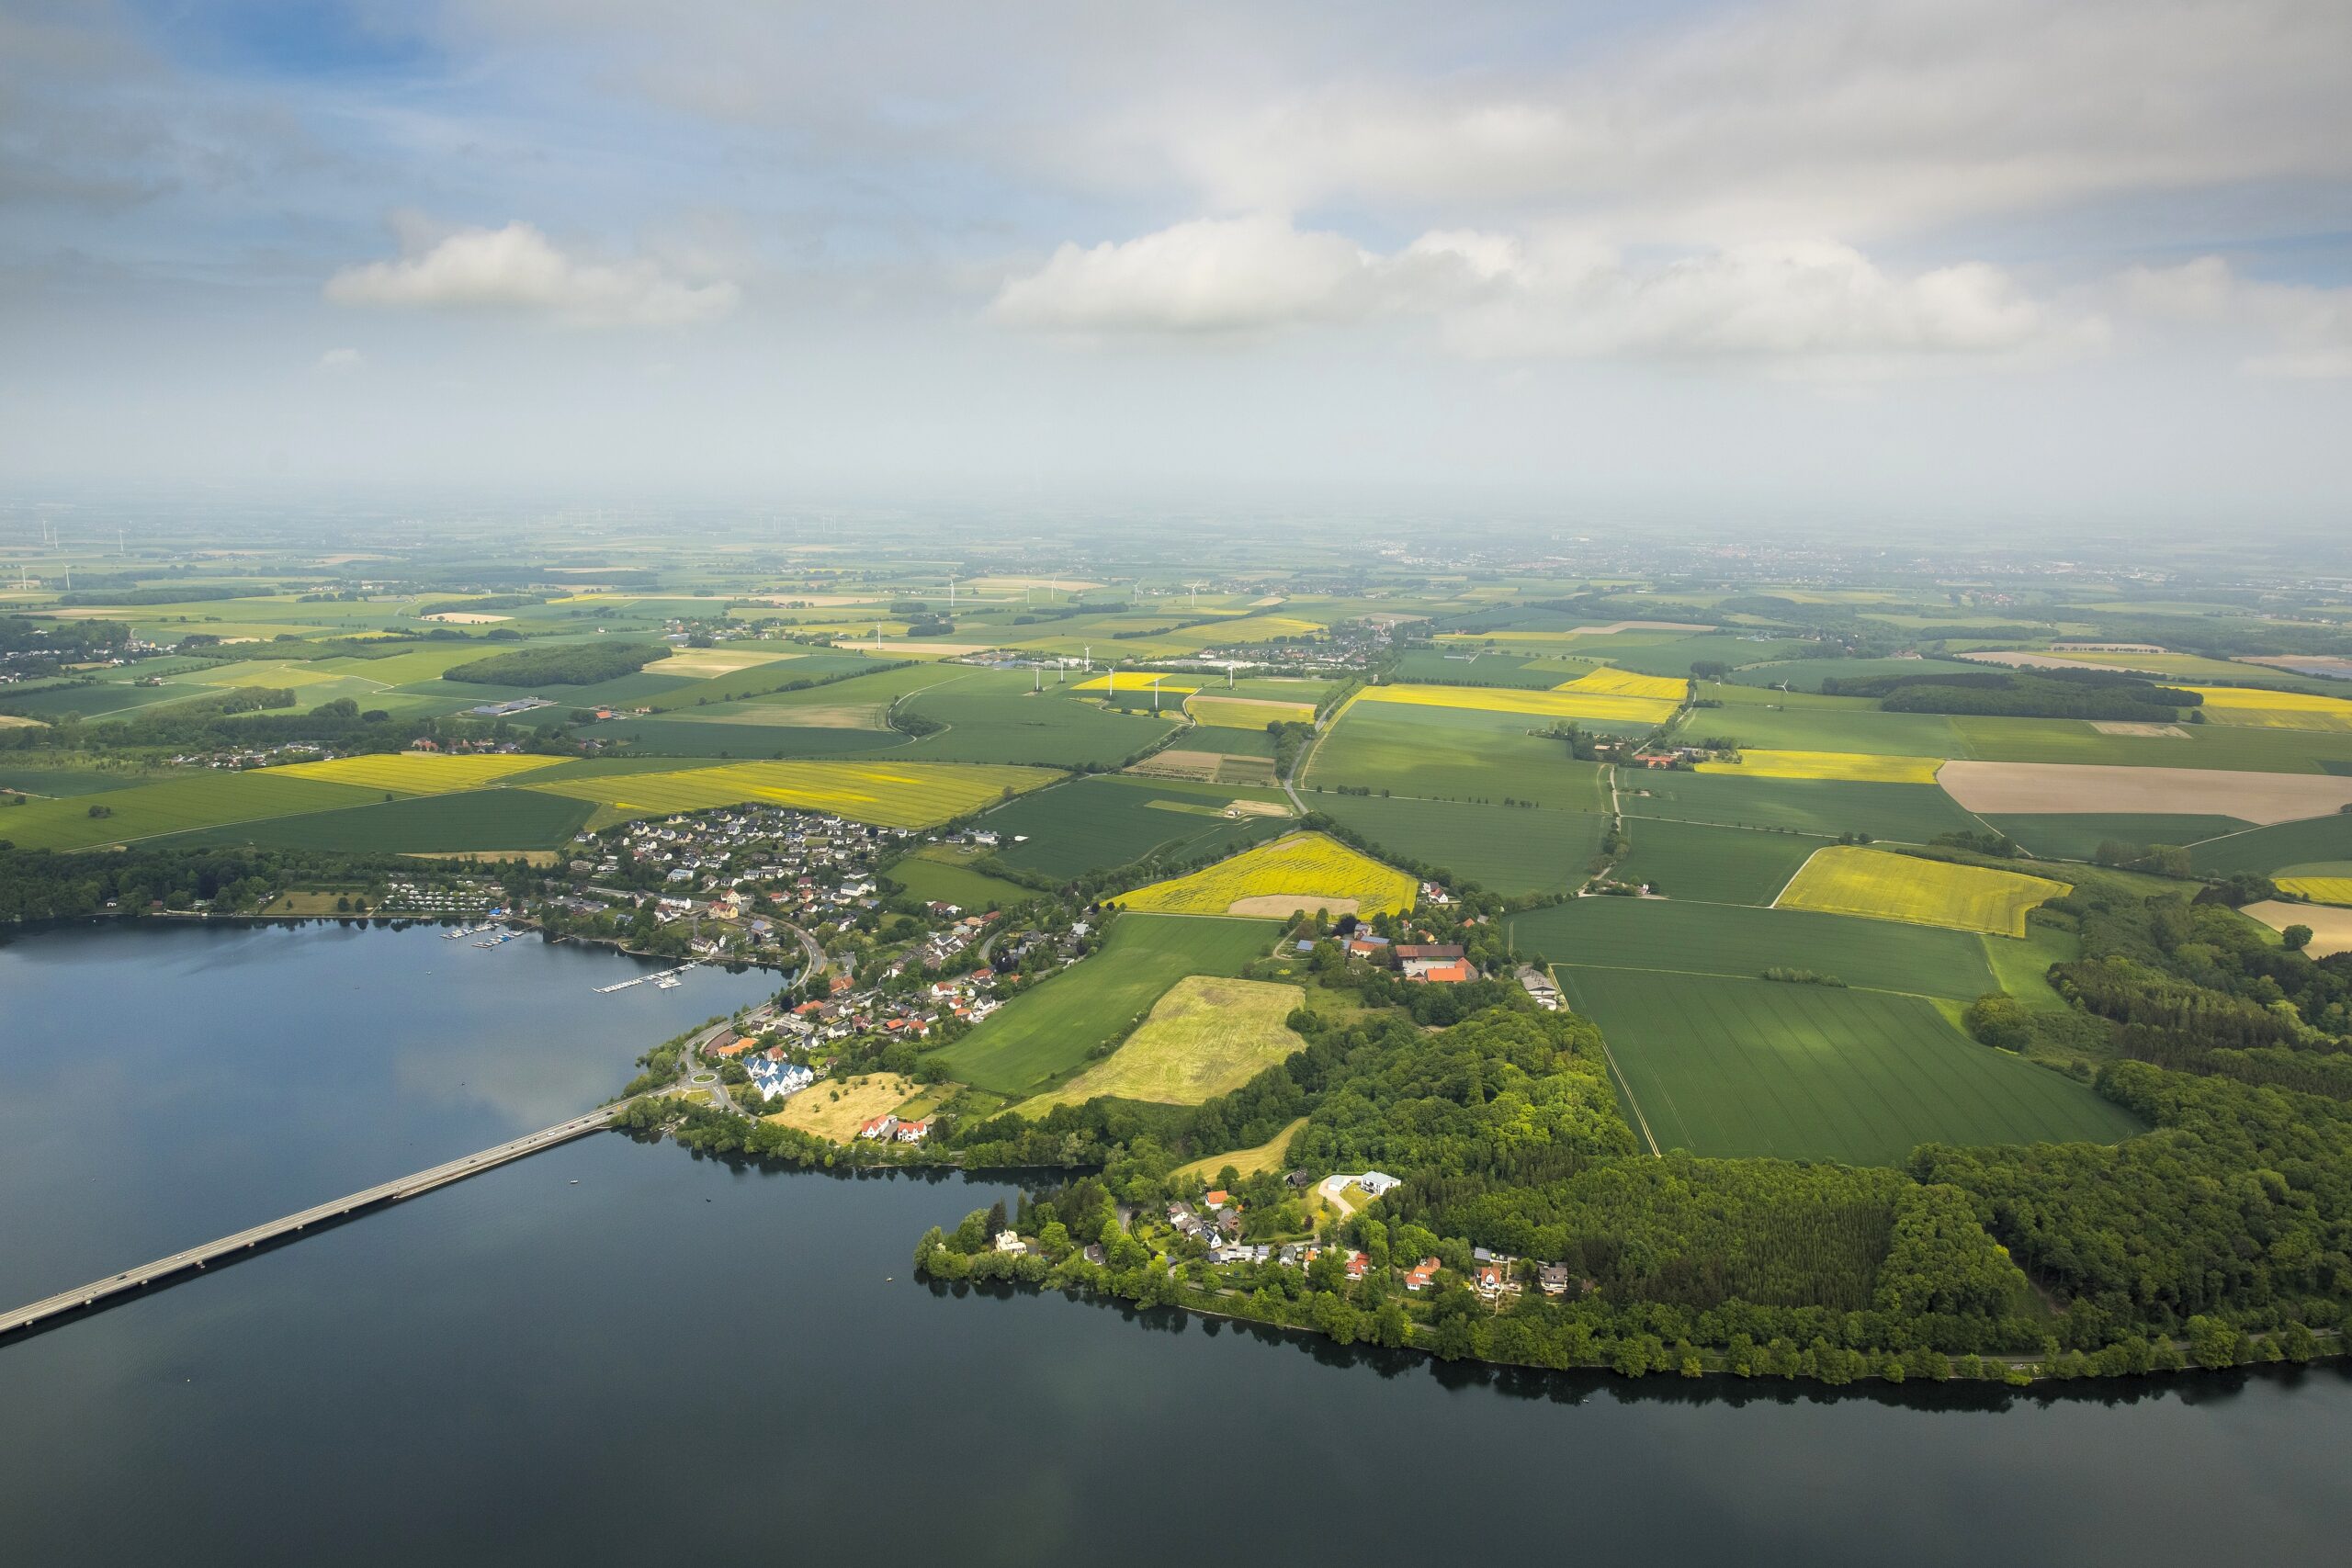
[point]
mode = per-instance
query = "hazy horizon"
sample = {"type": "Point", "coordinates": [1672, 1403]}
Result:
{"type": "Point", "coordinates": [1818, 265]}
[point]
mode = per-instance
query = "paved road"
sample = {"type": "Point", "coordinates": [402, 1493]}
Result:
{"type": "Point", "coordinates": [812, 954]}
{"type": "Point", "coordinates": [706, 1078]}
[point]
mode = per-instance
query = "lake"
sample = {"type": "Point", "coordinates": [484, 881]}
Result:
{"type": "Point", "coordinates": [675, 1360]}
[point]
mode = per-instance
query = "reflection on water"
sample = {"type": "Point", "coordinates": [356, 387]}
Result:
{"type": "Point", "coordinates": [620, 1352]}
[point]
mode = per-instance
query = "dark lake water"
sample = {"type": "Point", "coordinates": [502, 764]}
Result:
{"type": "Point", "coordinates": [674, 1360]}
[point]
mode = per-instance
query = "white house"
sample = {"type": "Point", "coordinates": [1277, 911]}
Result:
{"type": "Point", "coordinates": [1377, 1183]}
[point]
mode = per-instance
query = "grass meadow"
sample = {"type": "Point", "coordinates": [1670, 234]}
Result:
{"type": "Point", "coordinates": [1207, 1035]}
{"type": "Point", "coordinates": [1055, 1026]}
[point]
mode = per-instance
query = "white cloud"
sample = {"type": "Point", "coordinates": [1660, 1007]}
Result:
{"type": "Point", "coordinates": [341, 361]}
{"type": "Point", "coordinates": [1212, 276]}
{"type": "Point", "coordinates": [1496, 295]}
{"type": "Point", "coordinates": [519, 271]}
{"type": "Point", "coordinates": [2310, 328]}
{"type": "Point", "coordinates": [1858, 117]}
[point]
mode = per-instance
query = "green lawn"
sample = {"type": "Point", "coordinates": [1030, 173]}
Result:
{"type": "Point", "coordinates": [469, 820]}
{"type": "Point", "coordinates": [1739, 941]}
{"type": "Point", "coordinates": [1750, 1067]}
{"type": "Point", "coordinates": [1719, 865]}
{"type": "Point", "coordinates": [1450, 754]}
{"type": "Point", "coordinates": [1105, 819]}
{"type": "Point", "coordinates": [1508, 850]}
{"type": "Point", "coordinates": [1055, 1027]}
{"type": "Point", "coordinates": [1909, 813]}
{"type": "Point", "coordinates": [939, 874]}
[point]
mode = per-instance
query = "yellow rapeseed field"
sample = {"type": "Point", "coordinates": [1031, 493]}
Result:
{"type": "Point", "coordinates": [1610, 681]}
{"type": "Point", "coordinates": [1847, 880]}
{"type": "Point", "coordinates": [1305, 871]}
{"type": "Point", "coordinates": [903, 795]}
{"type": "Point", "coordinates": [417, 772]}
{"type": "Point", "coordinates": [1141, 683]}
{"type": "Point", "coordinates": [1247, 713]}
{"type": "Point", "coordinates": [1567, 702]}
{"type": "Point", "coordinates": [2275, 710]}
{"type": "Point", "coordinates": [2318, 889]}
{"type": "Point", "coordinates": [1845, 765]}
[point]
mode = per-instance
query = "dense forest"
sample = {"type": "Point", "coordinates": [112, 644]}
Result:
{"type": "Point", "coordinates": [2224, 1234]}
{"type": "Point", "coordinates": [563, 664]}
{"type": "Point", "coordinates": [2104, 695]}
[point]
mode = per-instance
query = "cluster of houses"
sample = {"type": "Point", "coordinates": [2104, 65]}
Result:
{"type": "Point", "coordinates": [1437, 964]}
{"type": "Point", "coordinates": [735, 874]}
{"type": "Point", "coordinates": [891, 1130]}
{"type": "Point", "coordinates": [465, 748]}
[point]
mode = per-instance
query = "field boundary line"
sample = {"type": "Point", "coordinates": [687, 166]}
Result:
{"type": "Point", "coordinates": [1793, 875]}
{"type": "Point", "coordinates": [1729, 975]}
{"type": "Point", "coordinates": [1609, 1057]}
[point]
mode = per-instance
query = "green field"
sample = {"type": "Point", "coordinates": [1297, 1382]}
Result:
{"type": "Point", "coordinates": [682, 737]}
{"type": "Point", "coordinates": [1450, 754]}
{"type": "Point", "coordinates": [1047, 1031]}
{"type": "Point", "coordinates": [992, 715]}
{"type": "Point", "coordinates": [939, 874]}
{"type": "Point", "coordinates": [2235, 748]}
{"type": "Point", "coordinates": [2267, 850]}
{"type": "Point", "coordinates": [1806, 674]}
{"type": "Point", "coordinates": [172, 805]}
{"type": "Point", "coordinates": [1718, 865]}
{"type": "Point", "coordinates": [1741, 943]}
{"type": "Point", "coordinates": [2078, 836]}
{"type": "Point", "coordinates": [1104, 820]}
{"type": "Point", "coordinates": [1508, 850]}
{"type": "Point", "coordinates": [35, 780]}
{"type": "Point", "coordinates": [1439, 668]}
{"type": "Point", "coordinates": [1908, 813]}
{"type": "Point", "coordinates": [472, 819]}
{"type": "Point", "coordinates": [1731, 1067]}
{"type": "Point", "coordinates": [1813, 728]}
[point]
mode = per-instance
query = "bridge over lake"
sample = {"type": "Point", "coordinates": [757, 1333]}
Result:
{"type": "Point", "coordinates": [99, 1292]}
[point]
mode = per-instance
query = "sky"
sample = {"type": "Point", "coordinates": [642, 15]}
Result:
{"type": "Point", "coordinates": [1870, 262]}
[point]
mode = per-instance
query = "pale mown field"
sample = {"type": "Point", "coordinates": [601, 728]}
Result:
{"type": "Point", "coordinates": [836, 1111]}
{"type": "Point", "coordinates": [1206, 1036]}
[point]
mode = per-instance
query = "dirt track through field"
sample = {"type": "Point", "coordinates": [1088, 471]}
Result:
{"type": "Point", "coordinates": [2027, 788]}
